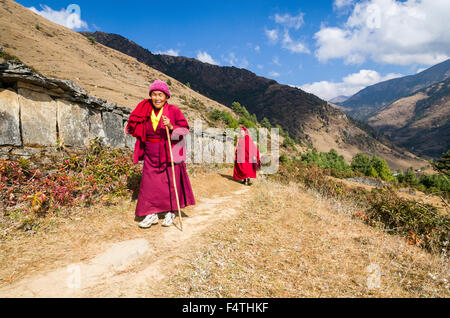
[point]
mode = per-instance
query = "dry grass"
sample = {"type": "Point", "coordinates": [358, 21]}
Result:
{"type": "Point", "coordinates": [291, 243]}
{"type": "Point", "coordinates": [62, 240]}
{"type": "Point", "coordinates": [79, 234]}
{"type": "Point", "coordinates": [404, 193]}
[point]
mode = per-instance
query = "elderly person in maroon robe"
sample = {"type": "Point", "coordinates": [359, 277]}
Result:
{"type": "Point", "coordinates": [148, 124]}
{"type": "Point", "coordinates": [246, 160]}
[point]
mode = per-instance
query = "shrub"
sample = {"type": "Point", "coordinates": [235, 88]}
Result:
{"type": "Point", "coordinates": [284, 158]}
{"type": "Point", "coordinates": [361, 162]}
{"type": "Point", "coordinates": [225, 117]}
{"type": "Point", "coordinates": [92, 40]}
{"type": "Point", "coordinates": [443, 164]}
{"type": "Point", "coordinates": [266, 124]}
{"type": "Point", "coordinates": [288, 142]}
{"type": "Point", "coordinates": [79, 180]}
{"type": "Point", "coordinates": [381, 167]}
{"type": "Point", "coordinates": [419, 223]}
{"type": "Point", "coordinates": [330, 160]}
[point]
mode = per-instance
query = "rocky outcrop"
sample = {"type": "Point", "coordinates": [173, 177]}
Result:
{"type": "Point", "coordinates": [38, 115]}
{"type": "Point", "coordinates": [38, 112]}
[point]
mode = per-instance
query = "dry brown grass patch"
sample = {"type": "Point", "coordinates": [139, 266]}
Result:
{"type": "Point", "coordinates": [290, 243]}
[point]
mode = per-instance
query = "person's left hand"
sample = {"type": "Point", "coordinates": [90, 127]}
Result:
{"type": "Point", "coordinates": [166, 122]}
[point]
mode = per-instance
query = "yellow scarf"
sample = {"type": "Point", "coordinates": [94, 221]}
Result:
{"type": "Point", "coordinates": [155, 119]}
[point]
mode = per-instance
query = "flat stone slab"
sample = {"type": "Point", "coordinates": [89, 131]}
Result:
{"type": "Point", "coordinates": [113, 125]}
{"type": "Point", "coordinates": [9, 118]}
{"type": "Point", "coordinates": [73, 124]}
{"type": "Point", "coordinates": [38, 116]}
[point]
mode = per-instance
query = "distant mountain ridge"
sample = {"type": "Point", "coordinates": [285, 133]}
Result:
{"type": "Point", "coordinates": [339, 99]}
{"type": "Point", "coordinates": [262, 96]}
{"type": "Point", "coordinates": [368, 101]}
{"type": "Point", "coordinates": [305, 116]}
{"type": "Point", "coordinates": [419, 122]}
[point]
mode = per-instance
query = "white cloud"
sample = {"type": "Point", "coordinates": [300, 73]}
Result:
{"type": "Point", "coordinates": [272, 35]}
{"type": "Point", "coordinates": [243, 63]}
{"type": "Point", "coordinates": [389, 31]}
{"type": "Point", "coordinates": [276, 61]}
{"type": "Point", "coordinates": [69, 17]}
{"type": "Point", "coordinates": [350, 84]}
{"type": "Point", "coordinates": [260, 66]}
{"type": "Point", "coordinates": [420, 70]}
{"type": "Point", "coordinates": [257, 48]}
{"type": "Point", "coordinates": [293, 46]}
{"type": "Point", "coordinates": [235, 61]}
{"type": "Point", "coordinates": [206, 58]}
{"type": "Point", "coordinates": [342, 4]}
{"type": "Point", "coordinates": [170, 52]}
{"type": "Point", "coordinates": [290, 22]}
{"type": "Point", "coordinates": [274, 74]}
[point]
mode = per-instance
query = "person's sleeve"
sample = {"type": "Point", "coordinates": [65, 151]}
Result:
{"type": "Point", "coordinates": [180, 126]}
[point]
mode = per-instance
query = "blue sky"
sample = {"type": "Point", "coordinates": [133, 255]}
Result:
{"type": "Point", "coordinates": [327, 47]}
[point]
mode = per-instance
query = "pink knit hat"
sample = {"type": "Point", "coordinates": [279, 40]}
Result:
{"type": "Point", "coordinates": [160, 86]}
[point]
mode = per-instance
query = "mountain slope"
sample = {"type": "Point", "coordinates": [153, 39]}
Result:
{"type": "Point", "coordinates": [367, 101]}
{"type": "Point", "coordinates": [420, 122]}
{"type": "Point", "coordinates": [304, 115]}
{"type": "Point", "coordinates": [56, 51]}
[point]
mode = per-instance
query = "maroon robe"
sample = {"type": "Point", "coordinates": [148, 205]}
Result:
{"type": "Point", "coordinates": [246, 160]}
{"type": "Point", "coordinates": [157, 193]}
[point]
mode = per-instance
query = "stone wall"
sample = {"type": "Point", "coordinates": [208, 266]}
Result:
{"type": "Point", "coordinates": [39, 114]}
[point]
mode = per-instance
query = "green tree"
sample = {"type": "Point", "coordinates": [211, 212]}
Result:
{"type": "Point", "coordinates": [382, 168]}
{"type": "Point", "coordinates": [361, 162]}
{"type": "Point", "coordinates": [410, 177]}
{"type": "Point", "coordinates": [266, 124]}
{"type": "Point", "coordinates": [288, 142]}
{"type": "Point", "coordinates": [372, 172]}
{"type": "Point", "coordinates": [443, 164]}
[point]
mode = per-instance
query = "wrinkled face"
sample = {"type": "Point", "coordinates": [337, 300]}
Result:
{"type": "Point", "coordinates": [158, 98]}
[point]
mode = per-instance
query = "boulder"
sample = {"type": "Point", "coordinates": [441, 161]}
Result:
{"type": "Point", "coordinates": [9, 118]}
{"type": "Point", "coordinates": [96, 129]}
{"type": "Point", "coordinates": [38, 117]}
{"type": "Point", "coordinates": [73, 124]}
{"type": "Point", "coordinates": [113, 125]}
{"type": "Point", "coordinates": [129, 140]}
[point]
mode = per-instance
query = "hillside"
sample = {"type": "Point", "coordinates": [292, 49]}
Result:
{"type": "Point", "coordinates": [58, 52]}
{"type": "Point", "coordinates": [419, 122]}
{"type": "Point", "coordinates": [367, 101]}
{"type": "Point", "coordinates": [304, 115]}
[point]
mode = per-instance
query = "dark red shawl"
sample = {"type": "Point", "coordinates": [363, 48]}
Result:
{"type": "Point", "coordinates": [136, 127]}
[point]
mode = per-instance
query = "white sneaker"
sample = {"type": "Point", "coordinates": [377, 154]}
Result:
{"type": "Point", "coordinates": [149, 220]}
{"type": "Point", "coordinates": [169, 219]}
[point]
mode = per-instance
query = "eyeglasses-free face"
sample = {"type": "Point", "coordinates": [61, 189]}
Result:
{"type": "Point", "coordinates": [158, 99]}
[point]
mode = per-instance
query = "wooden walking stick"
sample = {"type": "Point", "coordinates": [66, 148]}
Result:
{"type": "Point", "coordinates": [174, 180]}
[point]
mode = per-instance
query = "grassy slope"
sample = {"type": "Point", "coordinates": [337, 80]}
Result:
{"type": "Point", "coordinates": [289, 242]}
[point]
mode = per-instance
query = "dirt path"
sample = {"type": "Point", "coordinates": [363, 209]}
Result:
{"type": "Point", "coordinates": [125, 268]}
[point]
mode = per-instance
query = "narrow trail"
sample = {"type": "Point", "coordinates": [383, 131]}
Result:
{"type": "Point", "coordinates": [126, 267]}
